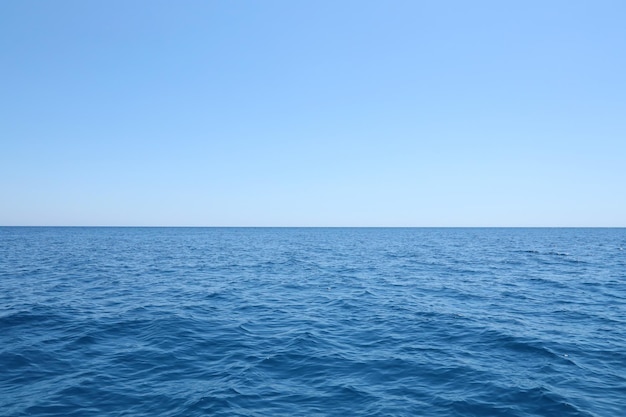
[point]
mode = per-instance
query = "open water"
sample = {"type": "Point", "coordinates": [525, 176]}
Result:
{"type": "Point", "coordinates": [312, 322]}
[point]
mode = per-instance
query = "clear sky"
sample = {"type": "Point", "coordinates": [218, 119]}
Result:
{"type": "Point", "coordinates": [313, 113]}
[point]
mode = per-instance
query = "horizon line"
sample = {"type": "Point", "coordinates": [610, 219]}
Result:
{"type": "Point", "coordinates": [318, 227]}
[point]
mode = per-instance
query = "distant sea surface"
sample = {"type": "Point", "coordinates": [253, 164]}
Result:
{"type": "Point", "coordinates": [312, 322]}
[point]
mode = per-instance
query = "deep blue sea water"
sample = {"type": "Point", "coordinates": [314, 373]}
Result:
{"type": "Point", "coordinates": [312, 322]}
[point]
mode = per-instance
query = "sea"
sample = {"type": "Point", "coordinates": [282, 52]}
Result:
{"type": "Point", "coordinates": [102, 321]}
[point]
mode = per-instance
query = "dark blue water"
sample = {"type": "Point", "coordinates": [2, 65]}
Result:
{"type": "Point", "coordinates": [312, 322]}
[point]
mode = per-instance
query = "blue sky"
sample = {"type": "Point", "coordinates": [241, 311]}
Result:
{"type": "Point", "coordinates": [321, 113]}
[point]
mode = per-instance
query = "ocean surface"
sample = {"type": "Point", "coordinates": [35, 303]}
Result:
{"type": "Point", "coordinates": [312, 322]}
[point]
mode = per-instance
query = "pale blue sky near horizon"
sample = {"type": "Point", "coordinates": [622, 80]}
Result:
{"type": "Point", "coordinates": [321, 113]}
